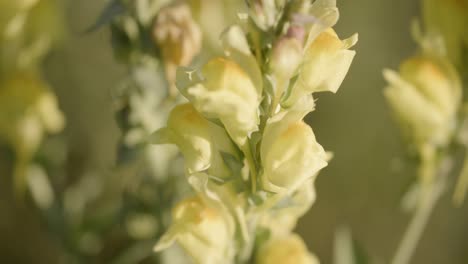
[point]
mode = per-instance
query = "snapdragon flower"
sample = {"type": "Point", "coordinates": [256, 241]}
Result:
{"type": "Point", "coordinates": [201, 230]}
{"type": "Point", "coordinates": [326, 62]}
{"type": "Point", "coordinates": [289, 249]}
{"type": "Point", "coordinates": [289, 150]}
{"type": "Point", "coordinates": [200, 141]}
{"type": "Point", "coordinates": [425, 96]}
{"type": "Point", "coordinates": [225, 92]}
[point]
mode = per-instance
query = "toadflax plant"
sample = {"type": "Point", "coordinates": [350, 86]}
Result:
{"type": "Point", "coordinates": [426, 98]}
{"type": "Point", "coordinates": [249, 156]}
{"type": "Point", "coordinates": [28, 108]}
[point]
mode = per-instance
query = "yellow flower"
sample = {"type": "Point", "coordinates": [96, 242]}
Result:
{"type": "Point", "coordinates": [28, 110]}
{"type": "Point", "coordinates": [290, 153]}
{"type": "Point", "coordinates": [326, 62]}
{"type": "Point", "coordinates": [200, 141]}
{"type": "Point", "coordinates": [214, 17]}
{"type": "Point", "coordinates": [289, 249]}
{"type": "Point", "coordinates": [26, 100]}
{"type": "Point", "coordinates": [28, 34]}
{"type": "Point", "coordinates": [201, 230]}
{"type": "Point", "coordinates": [225, 92]}
{"type": "Point", "coordinates": [425, 97]}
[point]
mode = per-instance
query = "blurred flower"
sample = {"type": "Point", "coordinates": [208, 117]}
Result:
{"type": "Point", "coordinates": [27, 32]}
{"type": "Point", "coordinates": [326, 62]}
{"type": "Point", "coordinates": [178, 37]}
{"type": "Point", "coordinates": [425, 96]}
{"type": "Point", "coordinates": [289, 249]}
{"type": "Point", "coordinates": [10, 10]}
{"type": "Point", "coordinates": [201, 230]}
{"type": "Point", "coordinates": [226, 93]}
{"type": "Point", "coordinates": [27, 110]}
{"type": "Point", "coordinates": [141, 226]}
{"type": "Point", "coordinates": [200, 141]}
{"type": "Point", "coordinates": [214, 17]}
{"type": "Point", "coordinates": [265, 13]}
{"type": "Point", "coordinates": [289, 150]}
{"type": "Point", "coordinates": [449, 18]}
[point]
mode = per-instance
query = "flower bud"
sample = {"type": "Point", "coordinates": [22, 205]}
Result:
{"type": "Point", "coordinates": [200, 141]}
{"type": "Point", "coordinates": [178, 37]}
{"type": "Point", "coordinates": [297, 32]}
{"type": "Point", "coordinates": [290, 153]}
{"type": "Point", "coordinates": [425, 98]}
{"type": "Point", "coordinates": [286, 57]}
{"type": "Point", "coordinates": [325, 64]}
{"type": "Point", "coordinates": [226, 93]}
{"type": "Point", "coordinates": [289, 249]}
{"type": "Point", "coordinates": [201, 230]}
{"type": "Point", "coordinates": [264, 12]}
{"type": "Point", "coordinates": [177, 34]}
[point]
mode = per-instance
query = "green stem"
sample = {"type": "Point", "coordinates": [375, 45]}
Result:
{"type": "Point", "coordinates": [431, 193]}
{"type": "Point", "coordinates": [462, 184]}
{"type": "Point", "coordinates": [252, 167]}
{"type": "Point", "coordinates": [279, 90]}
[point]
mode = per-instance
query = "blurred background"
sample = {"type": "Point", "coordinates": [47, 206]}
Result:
{"type": "Point", "coordinates": [360, 189]}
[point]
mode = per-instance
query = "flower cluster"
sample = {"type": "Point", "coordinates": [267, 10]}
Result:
{"type": "Point", "coordinates": [425, 96]}
{"type": "Point", "coordinates": [28, 108]}
{"type": "Point", "coordinates": [249, 155]}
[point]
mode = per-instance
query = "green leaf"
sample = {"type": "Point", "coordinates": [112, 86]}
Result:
{"type": "Point", "coordinates": [234, 165]}
{"type": "Point", "coordinates": [288, 91]}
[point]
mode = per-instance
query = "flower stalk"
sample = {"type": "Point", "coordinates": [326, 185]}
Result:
{"type": "Point", "coordinates": [248, 153]}
{"type": "Point", "coordinates": [426, 99]}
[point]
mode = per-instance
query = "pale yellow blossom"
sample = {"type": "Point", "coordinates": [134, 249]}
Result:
{"type": "Point", "coordinates": [290, 153]}
{"type": "Point", "coordinates": [326, 62]}
{"type": "Point", "coordinates": [288, 249]}
{"type": "Point", "coordinates": [425, 96]}
{"type": "Point", "coordinates": [201, 230]}
{"type": "Point", "coordinates": [224, 92]}
{"type": "Point", "coordinates": [200, 141]}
